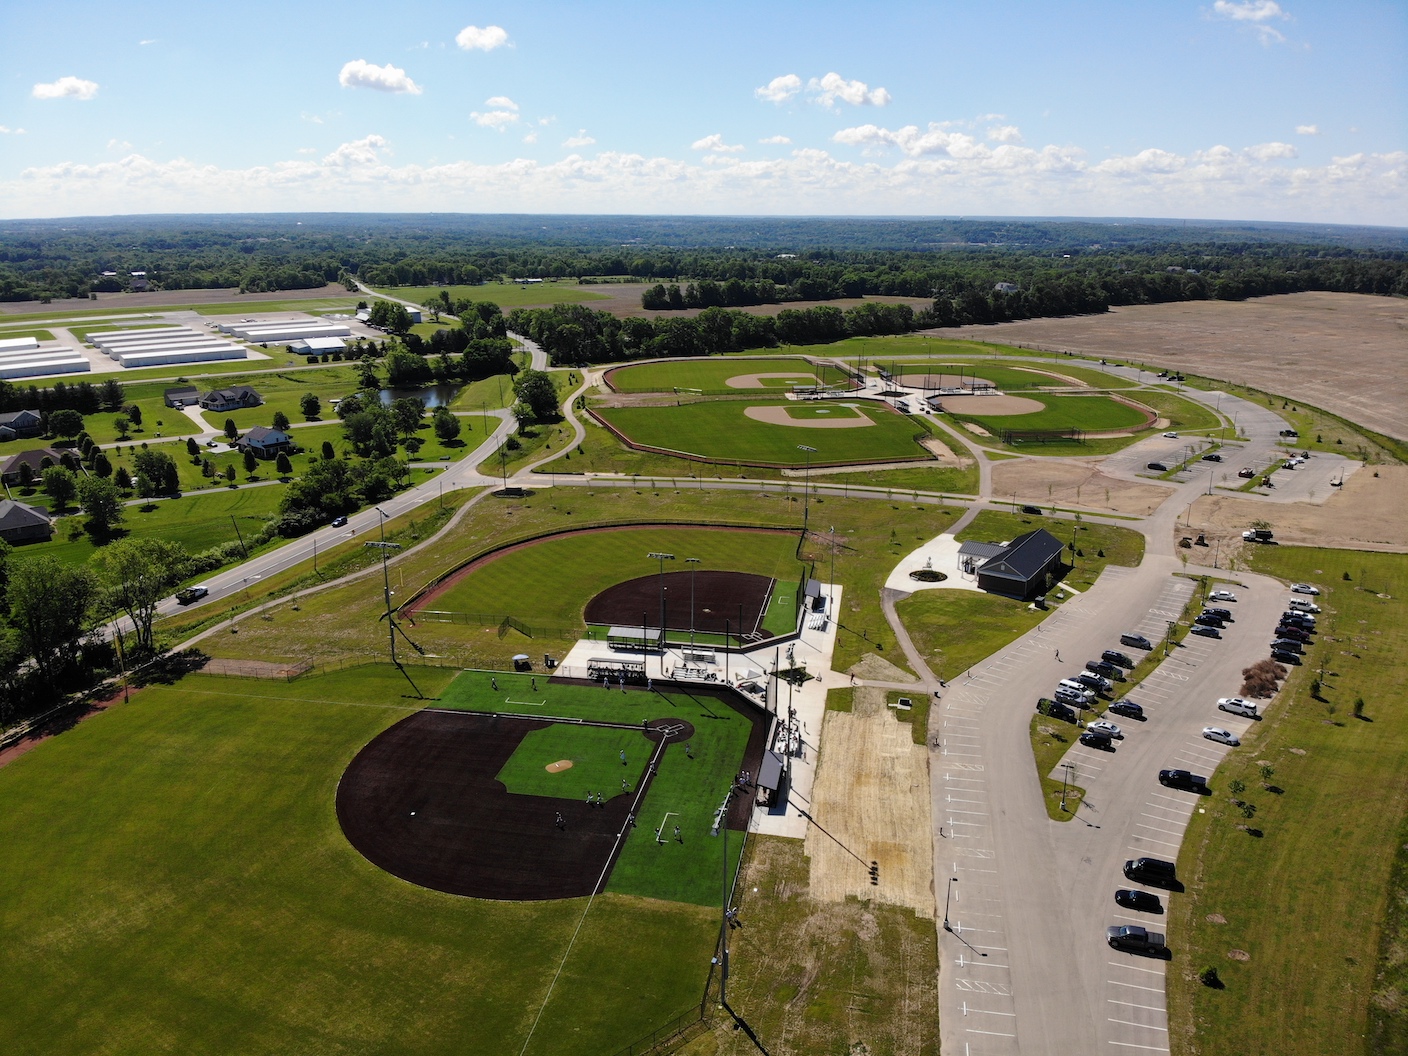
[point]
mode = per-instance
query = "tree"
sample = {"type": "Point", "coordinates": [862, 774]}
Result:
{"type": "Point", "coordinates": [26, 475]}
{"type": "Point", "coordinates": [250, 462]}
{"type": "Point", "coordinates": [230, 471]}
{"type": "Point", "coordinates": [121, 424]}
{"type": "Point", "coordinates": [65, 423]}
{"type": "Point", "coordinates": [135, 413]}
{"type": "Point", "coordinates": [408, 411]}
{"type": "Point", "coordinates": [522, 414]}
{"type": "Point", "coordinates": [283, 465]}
{"type": "Point", "coordinates": [328, 451]}
{"type": "Point", "coordinates": [280, 421]}
{"type": "Point", "coordinates": [232, 431]}
{"type": "Point", "coordinates": [138, 574]}
{"type": "Point", "coordinates": [50, 605]}
{"type": "Point", "coordinates": [193, 448]}
{"type": "Point", "coordinates": [536, 389]}
{"type": "Point", "coordinates": [159, 469]}
{"type": "Point", "coordinates": [447, 426]}
{"type": "Point", "coordinates": [61, 485]}
{"type": "Point", "coordinates": [310, 406]}
{"type": "Point", "coordinates": [405, 369]}
{"type": "Point", "coordinates": [102, 465]}
{"type": "Point", "coordinates": [99, 499]}
{"type": "Point", "coordinates": [122, 479]}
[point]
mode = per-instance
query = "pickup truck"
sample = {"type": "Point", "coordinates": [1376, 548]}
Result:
{"type": "Point", "coordinates": [1135, 939]}
{"type": "Point", "coordinates": [1258, 535]}
{"type": "Point", "coordinates": [1184, 780]}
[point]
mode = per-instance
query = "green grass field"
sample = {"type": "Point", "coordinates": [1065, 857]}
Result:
{"type": "Point", "coordinates": [504, 294]}
{"type": "Point", "coordinates": [1183, 414]}
{"type": "Point", "coordinates": [1006, 376]}
{"type": "Point", "coordinates": [714, 374]}
{"type": "Point", "coordinates": [1309, 898]}
{"type": "Point", "coordinates": [721, 431]}
{"type": "Point", "coordinates": [551, 582]}
{"type": "Point", "coordinates": [176, 880]}
{"type": "Point", "coordinates": [1089, 413]}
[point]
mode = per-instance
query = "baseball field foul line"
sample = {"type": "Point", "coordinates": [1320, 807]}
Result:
{"type": "Point", "coordinates": [620, 836]}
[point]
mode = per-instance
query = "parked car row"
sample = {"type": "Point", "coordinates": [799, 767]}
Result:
{"type": "Point", "coordinates": [1296, 629]}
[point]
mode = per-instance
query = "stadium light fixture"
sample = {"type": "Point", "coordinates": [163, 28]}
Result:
{"type": "Point", "coordinates": [662, 558]}
{"type": "Point", "coordinates": [807, 486]}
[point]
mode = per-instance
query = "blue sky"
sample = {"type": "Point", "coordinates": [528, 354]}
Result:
{"type": "Point", "coordinates": [1235, 109]}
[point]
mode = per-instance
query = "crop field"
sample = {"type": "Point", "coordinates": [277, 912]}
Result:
{"type": "Point", "coordinates": [722, 431]}
{"type": "Point", "coordinates": [550, 582]}
{"type": "Point", "coordinates": [183, 852]}
{"type": "Point", "coordinates": [504, 294]}
{"type": "Point", "coordinates": [1089, 413]}
{"type": "Point", "coordinates": [715, 374]}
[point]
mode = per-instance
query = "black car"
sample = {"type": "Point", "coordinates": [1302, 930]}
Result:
{"type": "Point", "coordinates": [1287, 645]}
{"type": "Point", "coordinates": [1035, 511]}
{"type": "Point", "coordinates": [1095, 739]}
{"type": "Point", "coordinates": [1283, 657]}
{"type": "Point", "coordinates": [1206, 632]}
{"type": "Point", "coordinates": [1158, 467]}
{"type": "Point", "coordinates": [338, 522]}
{"type": "Point", "coordinates": [1212, 458]}
{"type": "Point", "coordinates": [1207, 619]}
{"type": "Point", "coordinates": [1189, 782]}
{"type": "Point", "coordinates": [1142, 900]}
{"type": "Point", "coordinates": [1054, 709]}
{"type": "Point", "coordinates": [1221, 614]}
{"type": "Point", "coordinates": [1114, 656]}
{"type": "Point", "coordinates": [1104, 667]}
{"type": "Point", "coordinates": [1127, 708]}
{"type": "Point", "coordinates": [1285, 631]}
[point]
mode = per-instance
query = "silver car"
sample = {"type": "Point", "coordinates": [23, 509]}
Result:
{"type": "Point", "coordinates": [1217, 733]}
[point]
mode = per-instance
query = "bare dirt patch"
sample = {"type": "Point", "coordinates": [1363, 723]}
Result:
{"type": "Point", "coordinates": [990, 406]}
{"type": "Point", "coordinates": [756, 381]}
{"type": "Point", "coordinates": [779, 416]}
{"type": "Point", "coordinates": [1366, 514]}
{"type": "Point", "coordinates": [1060, 483]}
{"type": "Point", "coordinates": [872, 795]}
{"type": "Point", "coordinates": [1345, 352]}
{"type": "Point", "coordinates": [559, 766]}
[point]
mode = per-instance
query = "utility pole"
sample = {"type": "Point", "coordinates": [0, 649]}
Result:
{"type": "Point", "coordinates": [806, 487]}
{"type": "Point", "coordinates": [243, 549]}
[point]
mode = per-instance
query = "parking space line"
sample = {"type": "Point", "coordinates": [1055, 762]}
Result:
{"type": "Point", "coordinates": [998, 1033]}
{"type": "Point", "coordinates": [1150, 839]}
{"type": "Point", "coordinates": [1168, 832]}
{"type": "Point", "coordinates": [1131, 1045]}
{"type": "Point", "coordinates": [1136, 968]}
{"type": "Point", "coordinates": [1131, 1004]}
{"type": "Point", "coordinates": [1131, 1023]}
{"type": "Point", "coordinates": [1136, 986]}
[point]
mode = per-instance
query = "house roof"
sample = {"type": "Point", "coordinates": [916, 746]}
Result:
{"type": "Point", "coordinates": [13, 416]}
{"type": "Point", "coordinates": [18, 515]}
{"type": "Point", "coordinates": [181, 389]}
{"type": "Point", "coordinates": [265, 435]}
{"type": "Point", "coordinates": [34, 457]}
{"type": "Point", "coordinates": [983, 551]}
{"type": "Point", "coordinates": [1027, 557]}
{"type": "Point", "coordinates": [234, 392]}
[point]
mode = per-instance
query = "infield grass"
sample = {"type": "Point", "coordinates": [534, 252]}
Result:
{"type": "Point", "coordinates": [176, 880]}
{"type": "Point", "coordinates": [1089, 413]}
{"type": "Point", "coordinates": [1308, 894]}
{"type": "Point", "coordinates": [721, 431]}
{"type": "Point", "coordinates": [713, 375]}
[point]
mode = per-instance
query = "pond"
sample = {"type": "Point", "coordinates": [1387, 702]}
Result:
{"type": "Point", "coordinates": [431, 395]}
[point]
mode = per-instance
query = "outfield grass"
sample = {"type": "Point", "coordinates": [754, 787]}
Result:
{"type": "Point", "coordinates": [714, 374]}
{"type": "Point", "coordinates": [1309, 897]}
{"type": "Point", "coordinates": [504, 294]}
{"type": "Point", "coordinates": [1089, 413]}
{"type": "Point", "coordinates": [946, 480]}
{"type": "Point", "coordinates": [550, 583]}
{"type": "Point", "coordinates": [1183, 414]}
{"type": "Point", "coordinates": [176, 880]}
{"type": "Point", "coordinates": [1005, 376]}
{"type": "Point", "coordinates": [721, 431]}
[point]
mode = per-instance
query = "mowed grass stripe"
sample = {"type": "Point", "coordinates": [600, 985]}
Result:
{"type": "Point", "coordinates": [176, 880]}
{"type": "Point", "coordinates": [722, 431]}
{"type": "Point", "coordinates": [549, 583]}
{"type": "Point", "coordinates": [715, 373]}
{"type": "Point", "coordinates": [1090, 413]}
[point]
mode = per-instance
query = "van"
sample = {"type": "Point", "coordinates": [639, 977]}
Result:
{"type": "Point", "coordinates": [1153, 871]}
{"type": "Point", "coordinates": [1065, 696]}
{"type": "Point", "coordinates": [1136, 640]}
{"type": "Point", "coordinates": [1076, 688]}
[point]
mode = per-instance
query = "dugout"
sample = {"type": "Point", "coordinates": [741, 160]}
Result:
{"type": "Point", "coordinates": [634, 639]}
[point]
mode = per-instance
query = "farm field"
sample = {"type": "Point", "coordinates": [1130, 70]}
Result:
{"type": "Point", "coordinates": [714, 375]}
{"type": "Point", "coordinates": [184, 852]}
{"type": "Point", "coordinates": [504, 294]}
{"type": "Point", "coordinates": [723, 431]}
{"type": "Point", "coordinates": [1315, 894]}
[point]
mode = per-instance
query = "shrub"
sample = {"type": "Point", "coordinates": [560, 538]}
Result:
{"type": "Point", "coordinates": [1209, 978]}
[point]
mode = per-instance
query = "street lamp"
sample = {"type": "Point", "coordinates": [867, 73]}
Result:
{"type": "Point", "coordinates": [806, 486]}
{"type": "Point", "coordinates": [947, 898]}
{"type": "Point", "coordinates": [1067, 775]}
{"type": "Point", "coordinates": [662, 559]}
{"type": "Point", "coordinates": [831, 600]}
{"type": "Point", "coordinates": [691, 562]}
{"type": "Point", "coordinates": [721, 826]}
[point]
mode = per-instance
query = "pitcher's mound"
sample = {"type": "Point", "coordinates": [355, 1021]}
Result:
{"type": "Point", "coordinates": [559, 766]}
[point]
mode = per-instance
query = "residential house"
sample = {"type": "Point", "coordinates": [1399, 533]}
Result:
{"type": "Point", "coordinates": [34, 458]}
{"type": "Point", "coordinates": [265, 442]}
{"type": "Point", "coordinates": [182, 396]}
{"type": "Point", "coordinates": [234, 398]}
{"type": "Point", "coordinates": [18, 425]}
{"type": "Point", "coordinates": [20, 523]}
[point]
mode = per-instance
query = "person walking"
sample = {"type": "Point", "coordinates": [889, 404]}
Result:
{"type": "Point", "coordinates": [494, 684]}
{"type": "Point", "coordinates": [535, 682]}
{"type": "Point", "coordinates": [678, 837]}
{"type": "Point", "coordinates": [623, 757]}
{"type": "Point", "coordinates": [561, 821]}
{"type": "Point", "coordinates": [1058, 654]}
{"type": "Point", "coordinates": [625, 787]}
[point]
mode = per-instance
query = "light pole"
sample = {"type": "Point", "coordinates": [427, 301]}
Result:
{"type": "Point", "coordinates": [662, 559]}
{"type": "Point", "coordinates": [691, 562]}
{"type": "Point", "coordinates": [721, 825]}
{"type": "Point", "coordinates": [806, 486]}
{"type": "Point", "coordinates": [1066, 776]}
{"type": "Point", "coordinates": [831, 599]}
{"type": "Point", "coordinates": [947, 898]}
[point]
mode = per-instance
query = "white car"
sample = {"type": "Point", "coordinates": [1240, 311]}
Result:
{"type": "Point", "coordinates": [1237, 706]}
{"type": "Point", "coordinates": [1109, 729]}
{"type": "Point", "coordinates": [1304, 588]}
{"type": "Point", "coordinates": [1302, 605]}
{"type": "Point", "coordinates": [1217, 733]}
{"type": "Point", "coordinates": [1222, 595]}
{"type": "Point", "coordinates": [1171, 436]}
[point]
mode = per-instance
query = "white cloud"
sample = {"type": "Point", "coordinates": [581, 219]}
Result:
{"type": "Point", "coordinates": [1307, 130]}
{"type": "Point", "coordinates": [775, 139]}
{"type": "Point", "coordinates": [959, 177]}
{"type": "Point", "coordinates": [307, 150]}
{"type": "Point", "coordinates": [547, 120]}
{"type": "Point", "coordinates": [144, 43]}
{"type": "Point", "coordinates": [362, 74]}
{"type": "Point", "coordinates": [1005, 134]}
{"type": "Point", "coordinates": [1257, 14]}
{"type": "Point", "coordinates": [501, 102]}
{"type": "Point", "coordinates": [715, 144]}
{"type": "Point", "coordinates": [66, 88]}
{"type": "Point", "coordinates": [496, 119]}
{"type": "Point", "coordinates": [472, 38]}
{"type": "Point", "coordinates": [1268, 151]}
{"type": "Point", "coordinates": [581, 139]}
{"type": "Point", "coordinates": [780, 89]}
{"type": "Point", "coordinates": [910, 140]}
{"type": "Point", "coordinates": [119, 144]}
{"type": "Point", "coordinates": [833, 86]}
{"type": "Point", "coordinates": [531, 137]}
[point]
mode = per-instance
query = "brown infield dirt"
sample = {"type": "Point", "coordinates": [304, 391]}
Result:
{"type": "Point", "coordinates": [755, 381]}
{"type": "Point", "coordinates": [1053, 482]}
{"type": "Point", "coordinates": [779, 416]}
{"type": "Point", "coordinates": [423, 802]}
{"type": "Point", "coordinates": [1344, 352]}
{"type": "Point", "coordinates": [718, 596]}
{"type": "Point", "coordinates": [991, 405]}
